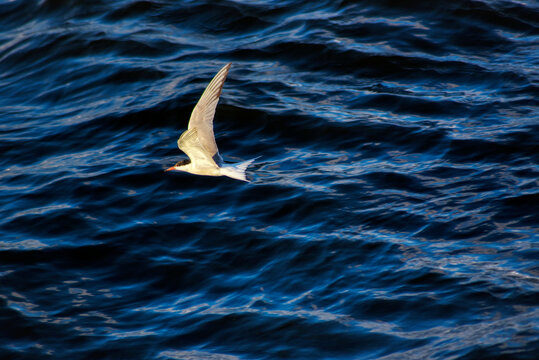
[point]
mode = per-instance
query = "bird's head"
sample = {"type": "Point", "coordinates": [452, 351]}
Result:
{"type": "Point", "coordinates": [180, 165]}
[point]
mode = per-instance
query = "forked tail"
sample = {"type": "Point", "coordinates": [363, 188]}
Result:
{"type": "Point", "coordinates": [237, 171]}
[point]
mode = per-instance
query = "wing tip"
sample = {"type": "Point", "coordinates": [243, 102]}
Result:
{"type": "Point", "coordinates": [225, 68]}
{"type": "Point", "coordinates": [215, 87]}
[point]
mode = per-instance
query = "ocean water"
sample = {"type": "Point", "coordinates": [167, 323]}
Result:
{"type": "Point", "coordinates": [393, 212]}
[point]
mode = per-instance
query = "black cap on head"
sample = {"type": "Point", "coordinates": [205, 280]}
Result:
{"type": "Point", "coordinates": [183, 162]}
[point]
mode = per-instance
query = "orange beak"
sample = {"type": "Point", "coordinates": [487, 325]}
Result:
{"type": "Point", "coordinates": [170, 168]}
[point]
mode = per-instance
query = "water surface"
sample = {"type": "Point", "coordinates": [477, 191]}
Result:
{"type": "Point", "coordinates": [392, 214]}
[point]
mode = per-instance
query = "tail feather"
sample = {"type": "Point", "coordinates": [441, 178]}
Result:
{"type": "Point", "coordinates": [237, 171]}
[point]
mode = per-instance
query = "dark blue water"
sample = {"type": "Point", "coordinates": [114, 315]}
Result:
{"type": "Point", "coordinates": [393, 214]}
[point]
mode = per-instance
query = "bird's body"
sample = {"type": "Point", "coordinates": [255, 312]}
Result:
{"type": "Point", "coordinates": [198, 141]}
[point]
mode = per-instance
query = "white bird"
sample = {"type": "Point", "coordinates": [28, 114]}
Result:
{"type": "Point", "coordinates": [198, 141]}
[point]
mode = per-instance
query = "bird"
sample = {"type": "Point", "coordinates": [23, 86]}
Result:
{"type": "Point", "coordinates": [198, 141]}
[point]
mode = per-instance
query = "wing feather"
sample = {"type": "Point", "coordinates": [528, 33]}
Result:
{"type": "Point", "coordinates": [204, 112]}
{"type": "Point", "coordinates": [190, 144]}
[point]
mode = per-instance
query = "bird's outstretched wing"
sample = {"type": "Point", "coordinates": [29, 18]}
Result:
{"type": "Point", "coordinates": [203, 113]}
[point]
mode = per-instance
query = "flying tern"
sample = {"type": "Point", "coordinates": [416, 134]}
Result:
{"type": "Point", "coordinates": [198, 141]}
